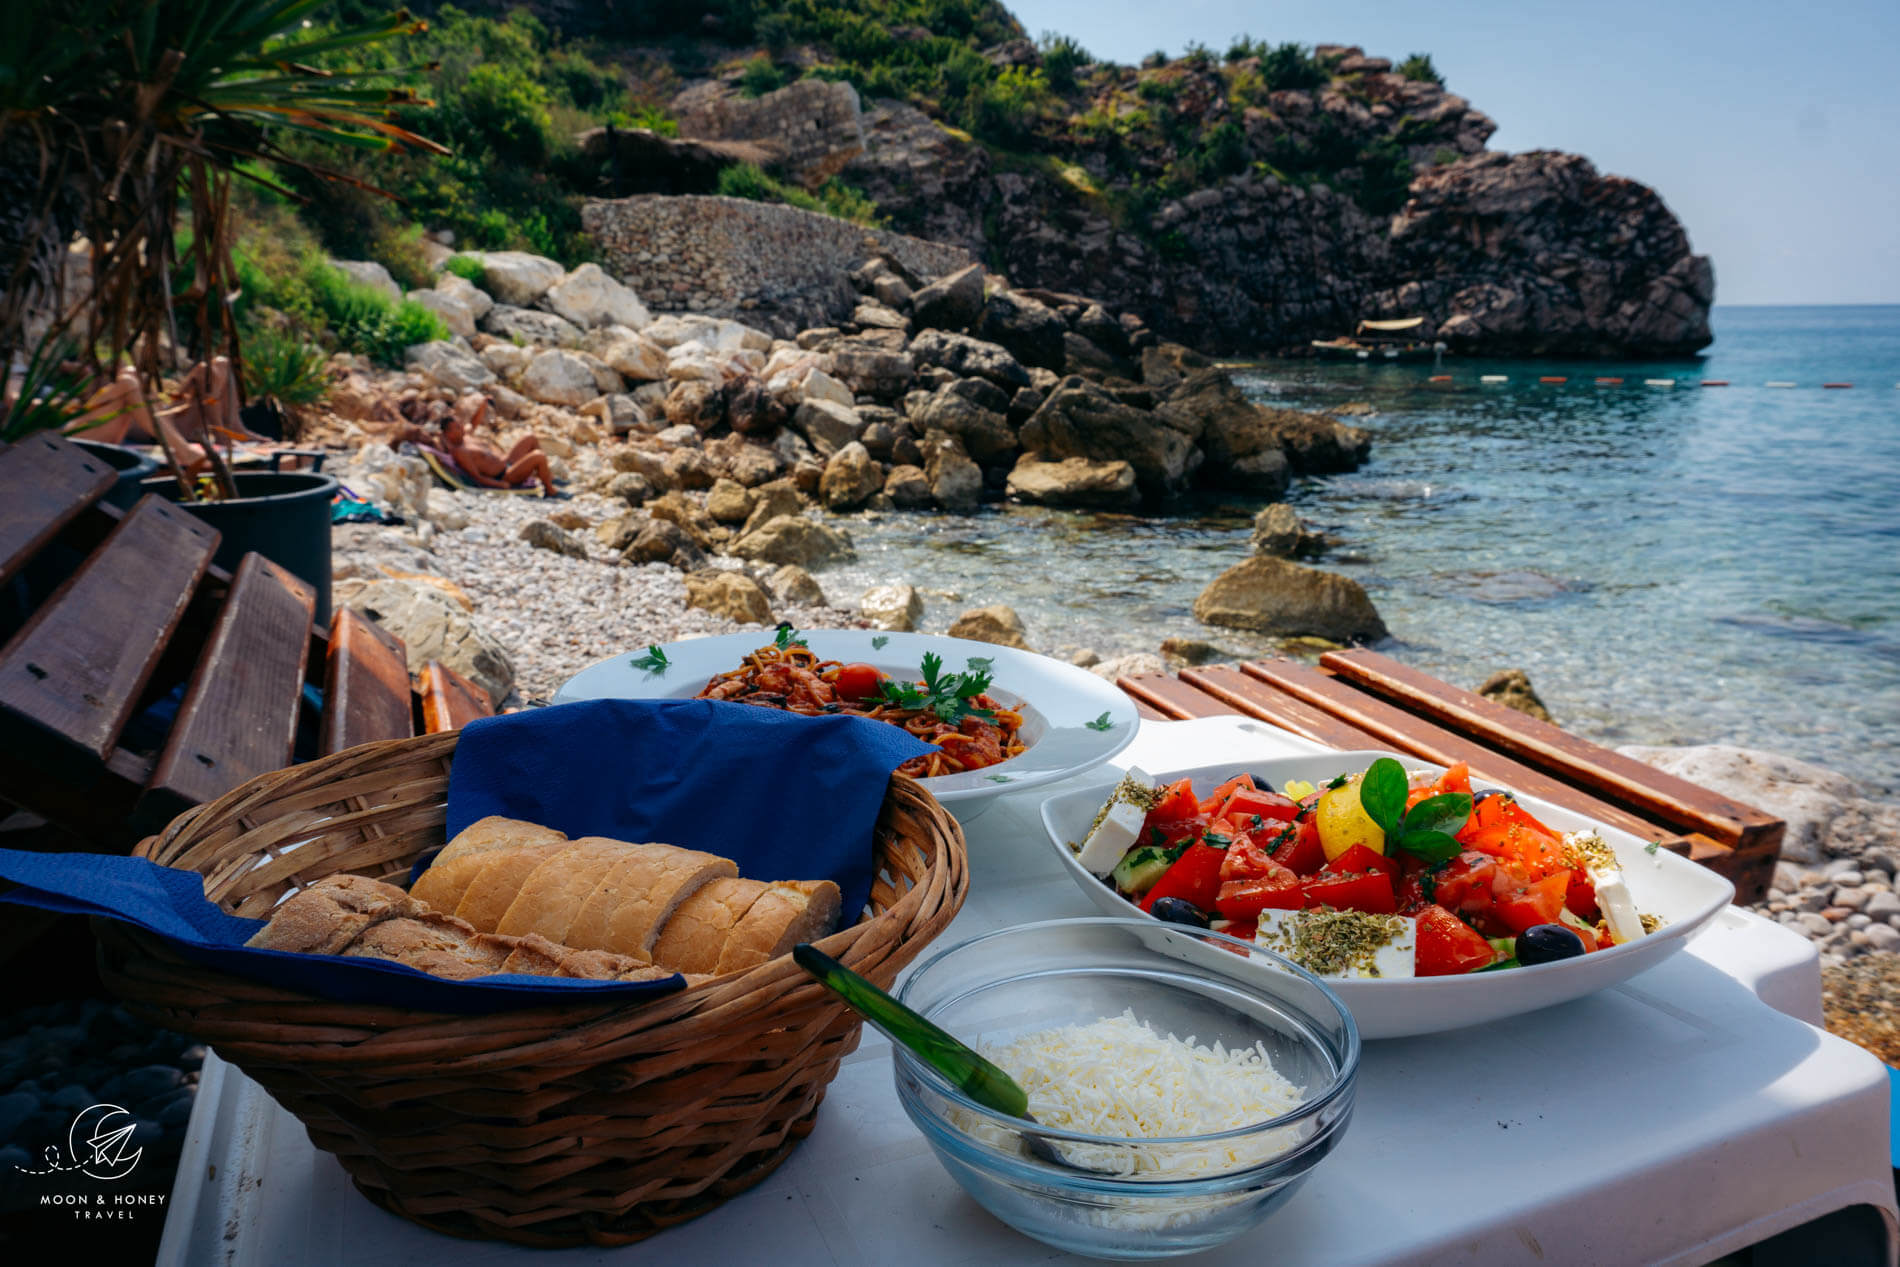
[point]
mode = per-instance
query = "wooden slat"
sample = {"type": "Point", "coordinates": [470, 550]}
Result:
{"type": "Point", "coordinates": [449, 700]}
{"type": "Point", "coordinates": [1392, 726]}
{"type": "Point", "coordinates": [1173, 699]}
{"type": "Point", "coordinates": [239, 716]}
{"type": "Point", "coordinates": [1148, 712]}
{"type": "Point", "coordinates": [78, 665]}
{"type": "Point", "coordinates": [366, 693]}
{"type": "Point", "coordinates": [1230, 685]}
{"type": "Point", "coordinates": [1647, 789]}
{"type": "Point", "coordinates": [45, 482]}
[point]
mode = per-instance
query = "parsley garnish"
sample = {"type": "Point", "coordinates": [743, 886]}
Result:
{"type": "Point", "coordinates": [1100, 723]}
{"type": "Point", "coordinates": [948, 695]}
{"type": "Point", "coordinates": [998, 778]}
{"type": "Point", "coordinates": [1652, 846]}
{"type": "Point", "coordinates": [877, 643]}
{"type": "Point", "coordinates": [654, 661]}
{"type": "Point", "coordinates": [1216, 839]}
{"type": "Point", "coordinates": [787, 637]}
{"type": "Point", "coordinates": [1341, 781]}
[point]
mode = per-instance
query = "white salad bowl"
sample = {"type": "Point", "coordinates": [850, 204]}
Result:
{"type": "Point", "coordinates": [1073, 721]}
{"type": "Point", "coordinates": [1684, 895]}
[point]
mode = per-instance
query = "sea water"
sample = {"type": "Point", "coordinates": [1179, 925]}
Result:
{"type": "Point", "coordinates": [1679, 564]}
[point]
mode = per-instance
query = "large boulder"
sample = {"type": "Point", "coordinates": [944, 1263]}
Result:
{"type": "Point", "coordinates": [851, 478]}
{"type": "Point", "coordinates": [477, 300]}
{"type": "Point", "coordinates": [1074, 482]}
{"type": "Point", "coordinates": [530, 325]}
{"type": "Point", "coordinates": [1165, 364]}
{"type": "Point", "coordinates": [954, 302]}
{"type": "Point", "coordinates": [1273, 596]}
{"type": "Point", "coordinates": [1278, 532]}
{"type": "Point", "coordinates": [433, 626]}
{"type": "Point", "coordinates": [371, 274]}
{"type": "Point", "coordinates": [794, 585]}
{"type": "Point", "coordinates": [1082, 355]}
{"type": "Point", "coordinates": [545, 534]}
{"type": "Point", "coordinates": [908, 487]}
{"type": "Point", "coordinates": [688, 514]}
{"type": "Point", "coordinates": [826, 425]}
{"type": "Point", "coordinates": [518, 278]}
{"type": "Point", "coordinates": [770, 500]}
{"type": "Point", "coordinates": [733, 595]}
{"type": "Point", "coordinates": [870, 370]}
{"type": "Point", "coordinates": [1134, 664]}
{"type": "Point", "coordinates": [454, 311]}
{"type": "Point", "coordinates": [559, 377]}
{"type": "Point", "coordinates": [818, 385]}
{"type": "Point", "coordinates": [1807, 797]}
{"type": "Point", "coordinates": [1030, 330]}
{"type": "Point", "coordinates": [729, 502]}
{"type": "Point", "coordinates": [506, 359]}
{"type": "Point", "coordinates": [1316, 444]}
{"type": "Point", "coordinates": [985, 433]}
{"type": "Point", "coordinates": [1238, 438]}
{"type": "Point", "coordinates": [448, 365]}
{"type": "Point", "coordinates": [967, 357]}
{"type": "Point", "coordinates": [589, 297]}
{"type": "Point", "coordinates": [1081, 420]}
{"type": "Point", "coordinates": [695, 403]}
{"type": "Point", "coordinates": [632, 355]}
{"type": "Point", "coordinates": [1512, 688]}
{"type": "Point", "coordinates": [794, 539]}
{"type": "Point", "coordinates": [896, 607]}
{"type": "Point", "coordinates": [663, 541]}
{"type": "Point", "coordinates": [956, 483]}
{"type": "Point", "coordinates": [998, 624]}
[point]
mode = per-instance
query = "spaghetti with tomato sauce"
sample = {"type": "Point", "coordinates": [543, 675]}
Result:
{"type": "Point", "coordinates": [794, 679]}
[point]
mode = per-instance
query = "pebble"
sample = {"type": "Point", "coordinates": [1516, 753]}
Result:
{"type": "Point", "coordinates": [1849, 878]}
{"type": "Point", "coordinates": [1883, 937]}
{"type": "Point", "coordinates": [1858, 920]}
{"type": "Point", "coordinates": [1835, 914]}
{"type": "Point", "coordinates": [1853, 899]}
{"type": "Point", "coordinates": [1817, 925]}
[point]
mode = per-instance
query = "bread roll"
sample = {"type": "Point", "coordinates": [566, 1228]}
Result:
{"type": "Point", "coordinates": [653, 883]}
{"type": "Point", "coordinates": [692, 940]}
{"type": "Point", "coordinates": [438, 944]}
{"type": "Point", "coordinates": [784, 915]}
{"type": "Point", "coordinates": [498, 883]}
{"type": "Point", "coordinates": [325, 917]}
{"type": "Point", "coordinates": [496, 832]}
{"type": "Point", "coordinates": [554, 892]}
{"type": "Point", "coordinates": [443, 886]}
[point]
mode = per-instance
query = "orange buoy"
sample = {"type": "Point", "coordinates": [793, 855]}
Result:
{"type": "Point", "coordinates": [1610, 382]}
{"type": "Point", "coordinates": [1440, 378]}
{"type": "Point", "coordinates": [1553, 378]}
{"type": "Point", "coordinates": [1836, 386]}
{"type": "Point", "coordinates": [1715, 382]}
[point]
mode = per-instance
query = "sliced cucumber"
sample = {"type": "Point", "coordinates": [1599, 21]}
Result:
{"type": "Point", "coordinates": [1140, 868]}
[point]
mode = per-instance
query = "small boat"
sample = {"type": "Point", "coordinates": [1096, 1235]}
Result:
{"type": "Point", "coordinates": [1393, 340]}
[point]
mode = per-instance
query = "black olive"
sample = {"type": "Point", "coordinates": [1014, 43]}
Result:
{"type": "Point", "coordinates": [1480, 797]}
{"type": "Point", "coordinates": [1544, 943]}
{"type": "Point", "coordinates": [1177, 910]}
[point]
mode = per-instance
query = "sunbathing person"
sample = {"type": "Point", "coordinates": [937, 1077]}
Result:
{"type": "Point", "coordinates": [206, 401]}
{"type": "Point", "coordinates": [524, 462]}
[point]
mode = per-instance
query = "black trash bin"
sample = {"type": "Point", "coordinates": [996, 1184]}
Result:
{"type": "Point", "coordinates": [284, 516]}
{"type": "Point", "coordinates": [134, 468]}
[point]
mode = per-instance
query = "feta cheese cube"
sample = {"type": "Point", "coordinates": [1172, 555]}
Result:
{"type": "Point", "coordinates": [1118, 825]}
{"type": "Point", "coordinates": [1598, 860]}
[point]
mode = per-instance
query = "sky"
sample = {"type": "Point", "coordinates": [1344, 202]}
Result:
{"type": "Point", "coordinates": [1771, 130]}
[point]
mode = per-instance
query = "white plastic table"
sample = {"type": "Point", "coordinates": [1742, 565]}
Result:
{"type": "Point", "coordinates": [1694, 1110]}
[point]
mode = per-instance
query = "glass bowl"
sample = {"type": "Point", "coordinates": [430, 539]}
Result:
{"type": "Point", "coordinates": [1148, 1198]}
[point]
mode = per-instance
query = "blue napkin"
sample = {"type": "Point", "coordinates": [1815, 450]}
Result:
{"type": "Point", "coordinates": [786, 797]}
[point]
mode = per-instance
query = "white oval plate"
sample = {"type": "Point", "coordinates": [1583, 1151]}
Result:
{"type": "Point", "coordinates": [1684, 894]}
{"type": "Point", "coordinates": [1058, 701]}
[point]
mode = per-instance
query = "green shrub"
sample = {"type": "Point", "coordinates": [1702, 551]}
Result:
{"type": "Point", "coordinates": [1419, 67]}
{"type": "Point", "coordinates": [1007, 109]}
{"type": "Point", "coordinates": [366, 320]}
{"type": "Point", "coordinates": [1198, 55]}
{"type": "Point", "coordinates": [1385, 179]}
{"type": "Point", "coordinates": [1244, 46]}
{"type": "Point", "coordinates": [653, 118]}
{"type": "Point", "coordinates": [1061, 58]}
{"type": "Point", "coordinates": [466, 267]}
{"type": "Point", "coordinates": [1155, 60]}
{"type": "Point", "coordinates": [1223, 151]}
{"type": "Point", "coordinates": [504, 111]}
{"type": "Point", "coordinates": [1293, 66]}
{"type": "Point", "coordinates": [1445, 154]}
{"type": "Point", "coordinates": [284, 370]}
{"type": "Point", "coordinates": [834, 197]}
{"type": "Point", "coordinates": [759, 77]}
{"type": "Point", "coordinates": [748, 180]}
{"type": "Point", "coordinates": [1158, 89]}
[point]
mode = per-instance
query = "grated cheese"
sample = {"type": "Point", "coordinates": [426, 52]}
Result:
{"type": "Point", "coordinates": [1118, 1078]}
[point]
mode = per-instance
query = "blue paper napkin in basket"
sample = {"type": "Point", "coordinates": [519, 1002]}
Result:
{"type": "Point", "coordinates": [784, 796]}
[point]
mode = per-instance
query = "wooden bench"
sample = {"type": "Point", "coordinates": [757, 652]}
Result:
{"type": "Point", "coordinates": [137, 679]}
{"type": "Point", "coordinates": [1360, 699]}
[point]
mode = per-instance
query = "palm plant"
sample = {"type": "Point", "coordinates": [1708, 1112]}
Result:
{"type": "Point", "coordinates": [123, 119]}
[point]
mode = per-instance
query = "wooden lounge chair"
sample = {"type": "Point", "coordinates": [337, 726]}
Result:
{"type": "Point", "coordinates": [1361, 699]}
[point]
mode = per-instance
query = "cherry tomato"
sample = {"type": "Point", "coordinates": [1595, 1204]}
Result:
{"type": "Point", "coordinates": [1448, 946]}
{"type": "Point", "coordinates": [857, 681]}
{"type": "Point", "coordinates": [1371, 893]}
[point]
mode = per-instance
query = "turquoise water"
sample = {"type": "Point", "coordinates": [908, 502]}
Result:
{"type": "Point", "coordinates": [1670, 565]}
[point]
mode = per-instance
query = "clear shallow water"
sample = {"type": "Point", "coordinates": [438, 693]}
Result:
{"type": "Point", "coordinates": [1670, 565]}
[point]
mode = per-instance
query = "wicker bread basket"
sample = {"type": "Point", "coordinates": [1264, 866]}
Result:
{"type": "Point", "coordinates": [582, 1123]}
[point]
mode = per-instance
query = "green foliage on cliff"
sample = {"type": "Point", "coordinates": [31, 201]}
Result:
{"type": "Point", "coordinates": [1418, 67]}
{"type": "Point", "coordinates": [833, 198]}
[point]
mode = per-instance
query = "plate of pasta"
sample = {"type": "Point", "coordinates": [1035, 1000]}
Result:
{"type": "Point", "coordinates": [999, 720]}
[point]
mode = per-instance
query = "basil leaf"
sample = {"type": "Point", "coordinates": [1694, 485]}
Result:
{"type": "Point", "coordinates": [1447, 813]}
{"type": "Point", "coordinates": [877, 643]}
{"type": "Point", "coordinates": [1382, 793]}
{"type": "Point", "coordinates": [1433, 846]}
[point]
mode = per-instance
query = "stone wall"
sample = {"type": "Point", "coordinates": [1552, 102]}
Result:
{"type": "Point", "coordinates": [770, 265]}
{"type": "Point", "coordinates": [810, 128]}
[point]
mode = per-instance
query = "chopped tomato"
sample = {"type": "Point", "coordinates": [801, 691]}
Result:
{"type": "Point", "coordinates": [1371, 893]}
{"type": "Point", "coordinates": [1524, 905]}
{"type": "Point", "coordinates": [1258, 811]}
{"type": "Point", "coordinates": [857, 681]}
{"type": "Point", "coordinates": [1241, 928]}
{"type": "Point", "coordinates": [1448, 946]}
{"type": "Point", "coordinates": [1194, 877]}
{"type": "Point", "coordinates": [1246, 858]}
{"type": "Point", "coordinates": [1581, 897]}
{"type": "Point", "coordinates": [1299, 849]}
{"type": "Point", "coordinates": [1360, 860]}
{"type": "Point", "coordinates": [1456, 778]}
{"type": "Point", "coordinates": [1173, 831]}
{"type": "Point", "coordinates": [1502, 828]}
{"type": "Point", "coordinates": [1278, 889]}
{"type": "Point", "coordinates": [1212, 805]}
{"type": "Point", "coordinates": [1177, 801]}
